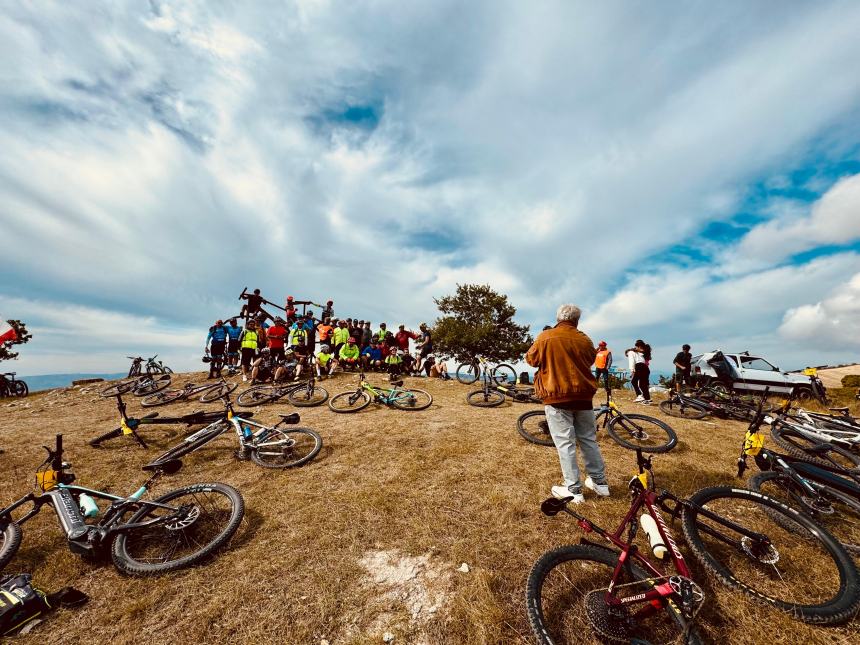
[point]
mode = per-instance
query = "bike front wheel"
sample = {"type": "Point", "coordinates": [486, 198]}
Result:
{"type": "Point", "coordinates": [503, 374]}
{"type": "Point", "coordinates": [20, 389]}
{"type": "Point", "coordinates": [10, 540]}
{"type": "Point", "coordinates": [150, 385]}
{"type": "Point", "coordinates": [682, 410]}
{"type": "Point", "coordinates": [161, 398]}
{"type": "Point", "coordinates": [126, 385]}
{"type": "Point", "coordinates": [533, 427]}
{"type": "Point", "coordinates": [202, 518]}
{"type": "Point", "coordinates": [485, 399]}
{"type": "Point", "coordinates": [285, 448]}
{"type": "Point", "coordinates": [305, 397]}
{"type": "Point", "coordinates": [217, 391]}
{"type": "Point", "coordinates": [641, 432]}
{"type": "Point", "coordinates": [258, 395]}
{"type": "Point", "coordinates": [809, 576]}
{"type": "Point", "coordinates": [468, 373]}
{"type": "Point", "coordinates": [565, 598]}
{"type": "Point", "coordinates": [412, 399]}
{"type": "Point", "coordinates": [349, 402]}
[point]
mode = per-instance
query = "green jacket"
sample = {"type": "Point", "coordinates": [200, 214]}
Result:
{"type": "Point", "coordinates": [349, 352]}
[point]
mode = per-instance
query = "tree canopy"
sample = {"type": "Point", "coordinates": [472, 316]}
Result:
{"type": "Point", "coordinates": [476, 321]}
{"type": "Point", "coordinates": [6, 353]}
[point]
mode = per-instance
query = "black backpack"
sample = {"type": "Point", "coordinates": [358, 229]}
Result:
{"type": "Point", "coordinates": [21, 602]}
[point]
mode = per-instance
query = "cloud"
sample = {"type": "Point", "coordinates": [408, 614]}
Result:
{"type": "Point", "coordinates": [833, 322]}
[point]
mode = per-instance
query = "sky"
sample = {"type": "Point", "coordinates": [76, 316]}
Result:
{"type": "Point", "coordinates": [683, 171]}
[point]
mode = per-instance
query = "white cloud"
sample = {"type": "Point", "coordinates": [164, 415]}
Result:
{"type": "Point", "coordinates": [833, 322]}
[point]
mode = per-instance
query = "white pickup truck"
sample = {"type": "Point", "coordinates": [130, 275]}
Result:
{"type": "Point", "coordinates": [746, 373]}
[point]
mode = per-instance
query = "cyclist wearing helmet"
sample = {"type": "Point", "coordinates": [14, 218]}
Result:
{"type": "Point", "coordinates": [275, 337]}
{"type": "Point", "coordinates": [349, 355]}
{"type": "Point", "coordinates": [264, 367]}
{"type": "Point", "coordinates": [325, 361]}
{"type": "Point", "coordinates": [218, 337]}
{"type": "Point", "coordinates": [394, 361]}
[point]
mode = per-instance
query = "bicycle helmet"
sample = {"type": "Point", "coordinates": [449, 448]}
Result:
{"type": "Point", "coordinates": [351, 339]}
{"type": "Point", "coordinates": [264, 351]}
{"type": "Point", "coordinates": [325, 349]}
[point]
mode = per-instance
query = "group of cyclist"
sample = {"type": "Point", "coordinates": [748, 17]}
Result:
{"type": "Point", "coordinates": [275, 347]}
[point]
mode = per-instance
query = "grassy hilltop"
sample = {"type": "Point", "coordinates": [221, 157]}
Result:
{"type": "Point", "coordinates": [367, 538]}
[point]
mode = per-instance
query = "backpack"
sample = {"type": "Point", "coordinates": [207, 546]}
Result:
{"type": "Point", "coordinates": [21, 602]}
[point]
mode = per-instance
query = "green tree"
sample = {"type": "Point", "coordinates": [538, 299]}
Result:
{"type": "Point", "coordinates": [6, 353]}
{"type": "Point", "coordinates": [479, 321]}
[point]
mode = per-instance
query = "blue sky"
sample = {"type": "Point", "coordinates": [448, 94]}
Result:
{"type": "Point", "coordinates": [686, 172]}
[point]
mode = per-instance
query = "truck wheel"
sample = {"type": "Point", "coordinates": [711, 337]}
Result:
{"type": "Point", "coordinates": [803, 394]}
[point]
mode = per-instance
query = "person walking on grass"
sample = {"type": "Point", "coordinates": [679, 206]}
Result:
{"type": "Point", "coordinates": [563, 357]}
{"type": "Point", "coordinates": [683, 362]}
{"type": "Point", "coordinates": [638, 358]}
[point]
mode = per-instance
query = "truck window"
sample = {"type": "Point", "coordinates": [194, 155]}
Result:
{"type": "Point", "coordinates": [732, 359]}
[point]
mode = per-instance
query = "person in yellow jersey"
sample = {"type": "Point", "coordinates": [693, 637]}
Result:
{"type": "Point", "coordinates": [340, 336]}
{"type": "Point", "coordinates": [602, 363]}
{"type": "Point", "coordinates": [348, 355]}
{"type": "Point", "coordinates": [325, 361]}
{"type": "Point", "coordinates": [248, 345]}
{"type": "Point", "coordinates": [394, 360]}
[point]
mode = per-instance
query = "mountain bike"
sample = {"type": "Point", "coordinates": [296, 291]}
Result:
{"type": "Point", "coordinates": [12, 386]}
{"type": "Point", "coordinates": [825, 492]}
{"type": "Point", "coordinates": [304, 395]}
{"type": "Point", "coordinates": [500, 373]}
{"type": "Point", "coordinates": [398, 397]}
{"type": "Point", "coordinates": [493, 394]}
{"type": "Point", "coordinates": [152, 366]}
{"type": "Point", "coordinates": [802, 434]}
{"type": "Point", "coordinates": [267, 446]}
{"type": "Point", "coordinates": [632, 431]}
{"type": "Point", "coordinates": [692, 406]}
{"type": "Point", "coordinates": [138, 386]}
{"type": "Point", "coordinates": [208, 392]}
{"type": "Point", "coordinates": [128, 426]}
{"type": "Point", "coordinates": [620, 594]}
{"type": "Point", "coordinates": [144, 537]}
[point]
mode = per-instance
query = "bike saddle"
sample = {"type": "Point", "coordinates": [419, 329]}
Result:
{"type": "Point", "coordinates": [290, 418]}
{"type": "Point", "coordinates": [166, 467]}
{"type": "Point", "coordinates": [839, 410]}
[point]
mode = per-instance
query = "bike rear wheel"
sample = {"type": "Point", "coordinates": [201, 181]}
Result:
{"type": "Point", "coordinates": [468, 373]}
{"type": "Point", "coordinates": [150, 385]}
{"type": "Point", "coordinates": [210, 515]}
{"type": "Point", "coordinates": [815, 451]}
{"type": "Point", "coordinates": [126, 385]}
{"type": "Point", "coordinates": [20, 388]}
{"type": "Point", "coordinates": [10, 540]}
{"type": "Point", "coordinates": [305, 397]}
{"type": "Point", "coordinates": [286, 448]}
{"type": "Point", "coordinates": [563, 609]}
{"type": "Point", "coordinates": [216, 392]}
{"type": "Point", "coordinates": [259, 395]}
{"type": "Point", "coordinates": [162, 398]}
{"type": "Point", "coordinates": [189, 446]}
{"type": "Point", "coordinates": [412, 399]}
{"type": "Point", "coordinates": [346, 402]}
{"type": "Point", "coordinates": [809, 576]}
{"type": "Point", "coordinates": [504, 374]}
{"type": "Point", "coordinates": [641, 432]}
{"type": "Point", "coordinates": [533, 427]}
{"type": "Point", "coordinates": [683, 409]}
{"type": "Point", "coordinates": [485, 399]}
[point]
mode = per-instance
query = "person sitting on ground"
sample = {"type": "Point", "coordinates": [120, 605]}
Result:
{"type": "Point", "coordinates": [436, 369]}
{"type": "Point", "coordinates": [377, 358]}
{"type": "Point", "coordinates": [263, 367]}
{"type": "Point", "coordinates": [218, 337]}
{"type": "Point", "coordinates": [393, 362]}
{"type": "Point", "coordinates": [564, 382]}
{"type": "Point", "coordinates": [248, 345]}
{"type": "Point", "coordinates": [276, 336]}
{"type": "Point", "coordinates": [285, 369]}
{"type": "Point", "coordinates": [683, 362]}
{"type": "Point", "coordinates": [602, 363]}
{"type": "Point", "coordinates": [325, 361]}
{"type": "Point", "coordinates": [349, 355]}
{"type": "Point", "coordinates": [408, 362]}
{"type": "Point", "coordinates": [403, 336]}
{"type": "Point", "coordinates": [365, 357]}
{"type": "Point", "coordinates": [234, 333]}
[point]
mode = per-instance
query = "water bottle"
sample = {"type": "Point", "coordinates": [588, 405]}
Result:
{"type": "Point", "coordinates": [246, 432]}
{"type": "Point", "coordinates": [658, 548]}
{"type": "Point", "coordinates": [88, 505]}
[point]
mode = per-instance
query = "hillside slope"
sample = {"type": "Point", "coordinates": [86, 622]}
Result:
{"type": "Point", "coordinates": [366, 539]}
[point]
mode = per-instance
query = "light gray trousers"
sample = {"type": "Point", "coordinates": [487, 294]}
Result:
{"type": "Point", "coordinates": [569, 428]}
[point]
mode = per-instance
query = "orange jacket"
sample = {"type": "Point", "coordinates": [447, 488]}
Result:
{"type": "Point", "coordinates": [563, 356]}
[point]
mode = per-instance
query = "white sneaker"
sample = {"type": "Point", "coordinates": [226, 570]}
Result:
{"type": "Point", "coordinates": [563, 492]}
{"type": "Point", "coordinates": [645, 401]}
{"type": "Point", "coordinates": [602, 490]}
{"type": "Point", "coordinates": [244, 379]}
{"type": "Point", "coordinates": [639, 399]}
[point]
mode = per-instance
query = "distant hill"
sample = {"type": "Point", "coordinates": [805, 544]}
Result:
{"type": "Point", "coordinates": [50, 381]}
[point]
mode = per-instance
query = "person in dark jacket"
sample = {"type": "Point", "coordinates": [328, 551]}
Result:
{"type": "Point", "coordinates": [564, 382]}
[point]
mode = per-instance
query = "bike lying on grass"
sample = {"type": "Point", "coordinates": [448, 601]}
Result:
{"type": "Point", "coordinates": [144, 537]}
{"type": "Point", "coordinates": [621, 595]}
{"type": "Point", "coordinates": [493, 394]}
{"type": "Point", "coordinates": [128, 426]}
{"type": "Point", "coordinates": [632, 431]}
{"type": "Point", "coordinates": [267, 446]}
{"type": "Point", "coordinates": [468, 373]}
{"type": "Point", "coordinates": [139, 386]}
{"type": "Point", "coordinates": [12, 386]}
{"type": "Point", "coordinates": [398, 397]}
{"type": "Point", "coordinates": [304, 395]}
{"type": "Point", "coordinates": [705, 402]}
{"type": "Point", "coordinates": [209, 392]}
{"type": "Point", "coordinates": [152, 366]}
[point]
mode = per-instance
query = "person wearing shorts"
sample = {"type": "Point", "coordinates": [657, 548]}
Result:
{"type": "Point", "coordinates": [683, 362]}
{"type": "Point", "coordinates": [248, 347]}
{"type": "Point", "coordinates": [234, 333]}
{"type": "Point", "coordinates": [275, 338]}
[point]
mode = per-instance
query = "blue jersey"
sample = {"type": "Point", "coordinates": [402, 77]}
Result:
{"type": "Point", "coordinates": [217, 335]}
{"type": "Point", "coordinates": [234, 332]}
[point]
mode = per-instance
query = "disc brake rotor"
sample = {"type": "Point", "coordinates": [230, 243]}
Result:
{"type": "Point", "coordinates": [769, 556]}
{"type": "Point", "coordinates": [191, 515]}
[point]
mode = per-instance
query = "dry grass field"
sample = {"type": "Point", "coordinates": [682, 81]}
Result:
{"type": "Point", "coordinates": [367, 539]}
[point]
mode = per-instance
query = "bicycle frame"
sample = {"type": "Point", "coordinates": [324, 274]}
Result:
{"type": "Point", "coordinates": [387, 397]}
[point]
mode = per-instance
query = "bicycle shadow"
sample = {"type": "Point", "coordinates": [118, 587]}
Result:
{"type": "Point", "coordinates": [251, 523]}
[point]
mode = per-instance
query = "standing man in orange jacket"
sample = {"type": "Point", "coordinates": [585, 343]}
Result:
{"type": "Point", "coordinates": [602, 363]}
{"type": "Point", "coordinates": [564, 382]}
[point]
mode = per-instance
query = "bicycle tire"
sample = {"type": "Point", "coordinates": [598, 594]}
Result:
{"type": "Point", "coordinates": [216, 392]}
{"type": "Point", "coordinates": [21, 389]}
{"type": "Point", "coordinates": [595, 565]}
{"type": "Point", "coordinates": [151, 385]}
{"type": "Point", "coordinates": [124, 386]}
{"type": "Point", "coordinates": [541, 435]}
{"type": "Point", "coordinates": [162, 397]}
{"type": "Point", "coordinates": [167, 370]}
{"type": "Point", "coordinates": [268, 456]}
{"type": "Point", "coordinates": [683, 410]}
{"type": "Point", "coordinates": [836, 609]}
{"type": "Point", "coordinates": [622, 431]}
{"type": "Point", "coordinates": [792, 441]}
{"type": "Point", "coordinates": [843, 523]}
{"type": "Point", "coordinates": [416, 402]}
{"type": "Point", "coordinates": [10, 540]}
{"type": "Point", "coordinates": [299, 397]}
{"type": "Point", "coordinates": [490, 399]}
{"type": "Point", "coordinates": [185, 448]}
{"type": "Point", "coordinates": [97, 441]}
{"type": "Point", "coordinates": [361, 402]}
{"type": "Point", "coordinates": [501, 372]}
{"type": "Point", "coordinates": [258, 395]}
{"type": "Point", "coordinates": [230, 519]}
{"type": "Point", "coordinates": [469, 375]}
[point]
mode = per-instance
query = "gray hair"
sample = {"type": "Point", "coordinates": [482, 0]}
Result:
{"type": "Point", "coordinates": [568, 313]}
